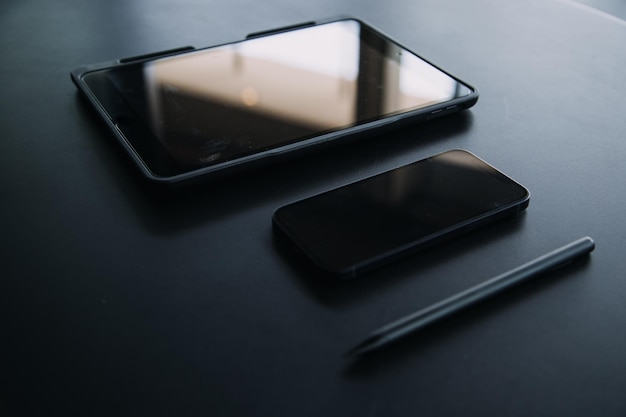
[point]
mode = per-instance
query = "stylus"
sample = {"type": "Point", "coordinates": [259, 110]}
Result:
{"type": "Point", "coordinates": [413, 322]}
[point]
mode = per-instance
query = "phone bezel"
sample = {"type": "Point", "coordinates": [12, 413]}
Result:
{"type": "Point", "coordinates": [419, 243]}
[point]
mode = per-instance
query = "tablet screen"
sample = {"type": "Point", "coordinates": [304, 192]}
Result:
{"type": "Point", "coordinates": [209, 106]}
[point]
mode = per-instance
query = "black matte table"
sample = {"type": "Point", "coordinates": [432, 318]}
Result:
{"type": "Point", "coordinates": [121, 299]}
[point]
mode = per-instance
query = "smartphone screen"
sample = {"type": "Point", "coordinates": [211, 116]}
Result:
{"type": "Point", "coordinates": [359, 226]}
{"type": "Point", "coordinates": [216, 106]}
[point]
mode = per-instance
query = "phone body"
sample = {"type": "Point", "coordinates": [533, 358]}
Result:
{"type": "Point", "coordinates": [357, 227]}
{"type": "Point", "coordinates": [190, 113]}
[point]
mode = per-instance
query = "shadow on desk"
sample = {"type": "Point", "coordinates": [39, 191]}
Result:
{"type": "Point", "coordinates": [166, 211]}
{"type": "Point", "coordinates": [333, 291]}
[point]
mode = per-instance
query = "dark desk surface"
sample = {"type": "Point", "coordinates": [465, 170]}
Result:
{"type": "Point", "coordinates": [119, 300]}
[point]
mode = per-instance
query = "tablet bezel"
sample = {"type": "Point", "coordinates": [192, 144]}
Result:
{"type": "Point", "coordinates": [157, 164]}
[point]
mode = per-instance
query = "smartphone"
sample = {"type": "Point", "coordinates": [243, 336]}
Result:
{"type": "Point", "coordinates": [366, 224]}
{"type": "Point", "coordinates": [192, 113]}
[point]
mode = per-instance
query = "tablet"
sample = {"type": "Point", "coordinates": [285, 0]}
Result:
{"type": "Point", "coordinates": [193, 113]}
